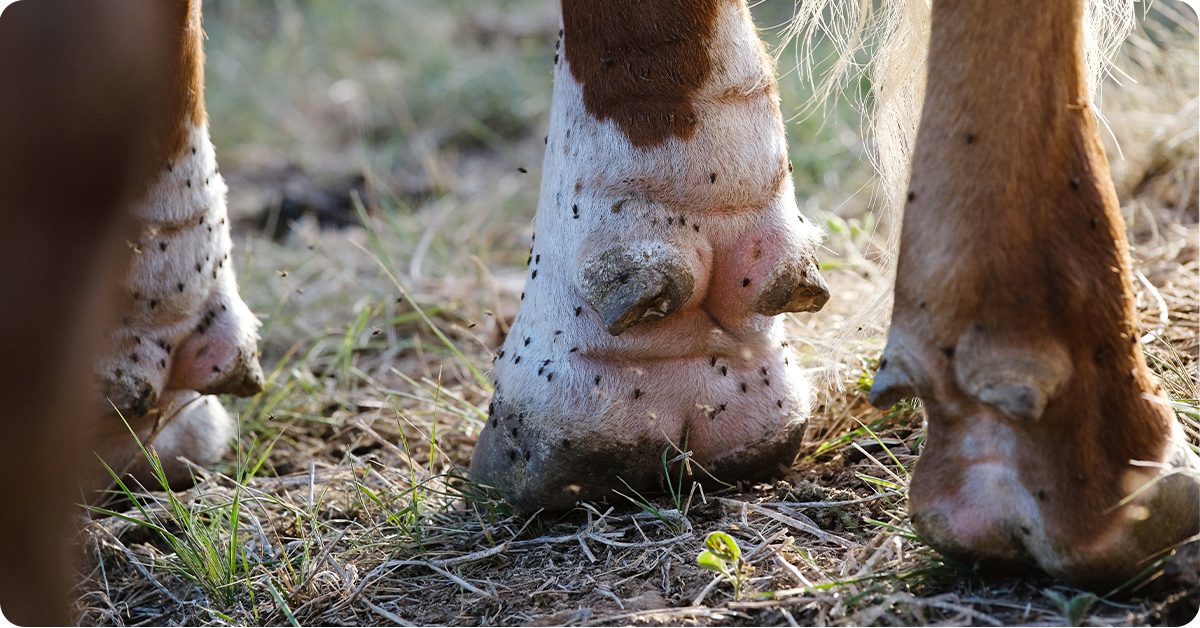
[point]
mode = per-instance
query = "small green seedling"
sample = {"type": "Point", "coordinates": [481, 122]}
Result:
{"type": "Point", "coordinates": [1073, 608]}
{"type": "Point", "coordinates": [724, 557]}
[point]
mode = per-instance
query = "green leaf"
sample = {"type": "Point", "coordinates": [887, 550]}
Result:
{"type": "Point", "coordinates": [712, 562]}
{"type": "Point", "coordinates": [1074, 608]}
{"type": "Point", "coordinates": [881, 482]}
{"type": "Point", "coordinates": [723, 546]}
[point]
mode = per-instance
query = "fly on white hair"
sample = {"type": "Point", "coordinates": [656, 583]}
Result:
{"type": "Point", "coordinates": [888, 41]}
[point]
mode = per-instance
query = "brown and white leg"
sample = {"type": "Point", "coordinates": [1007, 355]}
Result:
{"type": "Point", "coordinates": [183, 327]}
{"type": "Point", "coordinates": [667, 241]}
{"type": "Point", "coordinates": [1014, 317]}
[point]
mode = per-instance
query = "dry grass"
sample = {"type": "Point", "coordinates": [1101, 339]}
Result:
{"type": "Point", "coordinates": [358, 512]}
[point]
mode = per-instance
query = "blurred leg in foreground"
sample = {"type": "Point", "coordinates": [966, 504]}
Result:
{"type": "Point", "coordinates": [83, 83]}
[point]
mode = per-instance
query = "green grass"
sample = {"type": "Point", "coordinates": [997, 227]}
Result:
{"type": "Point", "coordinates": [207, 547]}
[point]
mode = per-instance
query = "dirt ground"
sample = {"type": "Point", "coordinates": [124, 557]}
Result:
{"type": "Point", "coordinates": [385, 278]}
{"type": "Point", "coordinates": [353, 521]}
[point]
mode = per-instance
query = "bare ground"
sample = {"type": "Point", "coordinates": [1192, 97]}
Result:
{"type": "Point", "coordinates": [354, 521]}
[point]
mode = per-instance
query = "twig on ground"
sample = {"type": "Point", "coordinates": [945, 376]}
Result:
{"type": "Point", "coordinates": [847, 502]}
{"type": "Point", "coordinates": [795, 523]}
{"type": "Point", "coordinates": [474, 556]}
{"type": "Point", "coordinates": [791, 570]}
{"type": "Point", "coordinates": [316, 564]}
{"type": "Point", "coordinates": [699, 599]}
{"type": "Point", "coordinates": [1164, 317]}
{"type": "Point", "coordinates": [702, 611]}
{"type": "Point", "coordinates": [459, 581]}
{"type": "Point", "coordinates": [136, 564]}
{"type": "Point", "coordinates": [392, 617]}
{"type": "Point", "coordinates": [612, 595]}
{"type": "Point", "coordinates": [750, 556]}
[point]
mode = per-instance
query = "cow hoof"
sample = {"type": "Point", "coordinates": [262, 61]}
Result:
{"type": "Point", "coordinates": [1018, 468]}
{"type": "Point", "coordinates": [541, 456]}
{"type": "Point", "coordinates": [1059, 527]}
{"type": "Point", "coordinates": [183, 325]}
{"type": "Point", "coordinates": [667, 241]}
{"type": "Point", "coordinates": [185, 425]}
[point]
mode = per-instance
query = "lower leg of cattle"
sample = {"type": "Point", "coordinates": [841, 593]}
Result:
{"type": "Point", "coordinates": [1014, 317]}
{"type": "Point", "coordinates": [668, 242]}
{"type": "Point", "coordinates": [77, 111]}
{"type": "Point", "coordinates": [183, 331]}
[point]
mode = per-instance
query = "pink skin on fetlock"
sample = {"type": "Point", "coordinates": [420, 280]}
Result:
{"type": "Point", "coordinates": [771, 267]}
{"type": "Point", "coordinates": [218, 357]}
{"type": "Point", "coordinates": [666, 238]}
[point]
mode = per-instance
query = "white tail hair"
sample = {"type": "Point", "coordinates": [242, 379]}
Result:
{"type": "Point", "coordinates": [894, 36]}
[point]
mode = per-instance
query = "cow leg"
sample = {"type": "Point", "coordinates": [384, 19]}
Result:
{"type": "Point", "coordinates": [1014, 317]}
{"type": "Point", "coordinates": [667, 241]}
{"type": "Point", "coordinates": [78, 107]}
{"type": "Point", "coordinates": [183, 326]}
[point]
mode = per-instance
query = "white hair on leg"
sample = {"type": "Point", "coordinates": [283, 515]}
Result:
{"type": "Point", "coordinates": [895, 36]}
